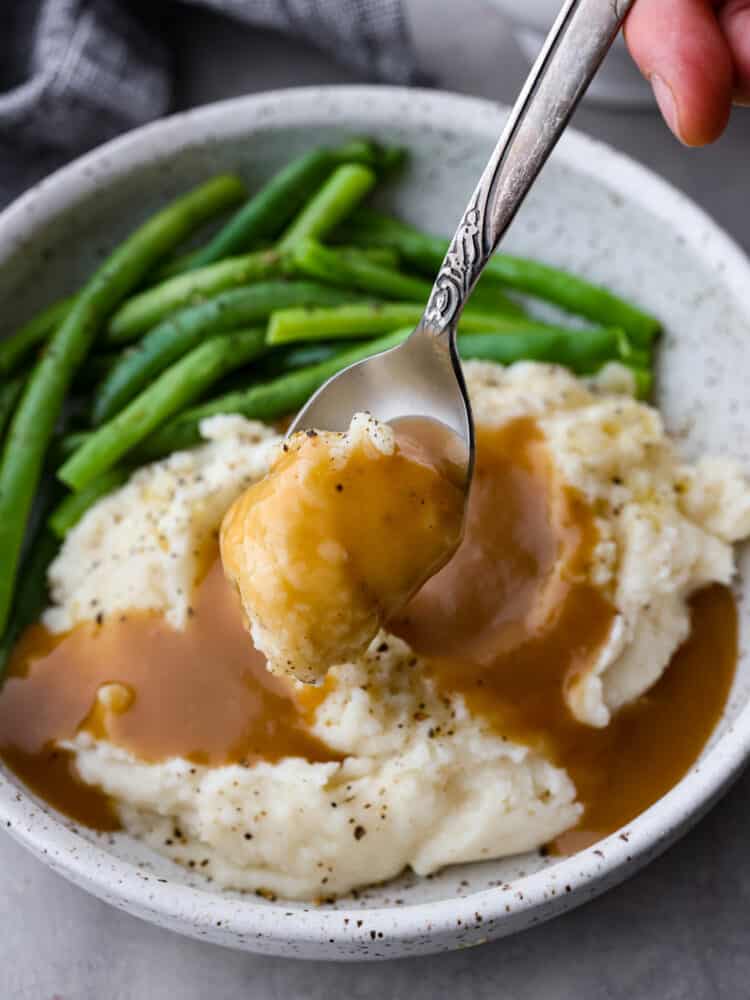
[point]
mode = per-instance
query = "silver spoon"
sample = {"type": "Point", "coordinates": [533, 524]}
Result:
{"type": "Point", "coordinates": [422, 377]}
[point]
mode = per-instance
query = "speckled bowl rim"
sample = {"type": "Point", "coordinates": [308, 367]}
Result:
{"type": "Point", "coordinates": [419, 927]}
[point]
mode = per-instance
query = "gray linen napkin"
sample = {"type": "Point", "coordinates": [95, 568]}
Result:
{"type": "Point", "coordinates": [76, 72]}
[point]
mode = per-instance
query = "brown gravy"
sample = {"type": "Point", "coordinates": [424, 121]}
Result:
{"type": "Point", "coordinates": [511, 619]}
{"type": "Point", "coordinates": [202, 693]}
{"type": "Point", "coordinates": [506, 623]}
{"type": "Point", "coordinates": [649, 745]}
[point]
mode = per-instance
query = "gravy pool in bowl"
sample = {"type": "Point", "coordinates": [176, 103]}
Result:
{"type": "Point", "coordinates": [547, 685]}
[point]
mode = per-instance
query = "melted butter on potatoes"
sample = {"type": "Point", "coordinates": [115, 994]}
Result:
{"type": "Point", "coordinates": [336, 539]}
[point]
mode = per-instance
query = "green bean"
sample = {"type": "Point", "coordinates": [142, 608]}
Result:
{"type": "Point", "coordinates": [171, 339]}
{"type": "Point", "coordinates": [472, 346]}
{"type": "Point", "coordinates": [177, 387]}
{"type": "Point", "coordinates": [314, 260]}
{"type": "Point", "coordinates": [638, 356]}
{"type": "Point", "coordinates": [40, 406]}
{"type": "Point", "coordinates": [10, 393]}
{"type": "Point", "coordinates": [279, 362]}
{"type": "Point", "coordinates": [351, 271]}
{"type": "Point", "coordinates": [289, 359]}
{"type": "Point", "coordinates": [384, 256]}
{"type": "Point", "coordinates": [487, 296]}
{"type": "Point", "coordinates": [582, 351]}
{"type": "Point", "coordinates": [358, 320]}
{"type": "Point", "coordinates": [71, 509]}
{"type": "Point", "coordinates": [37, 552]}
{"type": "Point", "coordinates": [180, 263]}
{"type": "Point", "coordinates": [72, 442]}
{"type": "Point", "coordinates": [377, 255]}
{"type": "Point", "coordinates": [285, 394]}
{"type": "Point", "coordinates": [370, 319]}
{"type": "Point", "coordinates": [644, 381]}
{"type": "Point", "coordinates": [265, 214]}
{"type": "Point", "coordinates": [332, 203]}
{"type": "Point", "coordinates": [267, 401]}
{"type": "Point", "coordinates": [31, 596]}
{"type": "Point", "coordinates": [528, 276]}
{"type": "Point", "coordinates": [386, 160]}
{"type": "Point", "coordinates": [150, 307]}
{"type": "Point", "coordinates": [15, 349]}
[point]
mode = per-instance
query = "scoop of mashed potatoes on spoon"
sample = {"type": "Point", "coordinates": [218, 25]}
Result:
{"type": "Point", "coordinates": [337, 537]}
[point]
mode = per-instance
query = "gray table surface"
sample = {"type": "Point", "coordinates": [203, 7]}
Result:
{"type": "Point", "coordinates": [677, 930]}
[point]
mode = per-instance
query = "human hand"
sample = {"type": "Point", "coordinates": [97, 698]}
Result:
{"type": "Point", "coordinates": [696, 54]}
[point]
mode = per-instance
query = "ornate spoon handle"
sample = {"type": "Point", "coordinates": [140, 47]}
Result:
{"type": "Point", "coordinates": [579, 40]}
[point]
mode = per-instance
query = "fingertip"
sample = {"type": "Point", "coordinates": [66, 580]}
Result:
{"type": "Point", "coordinates": [703, 121]}
{"type": "Point", "coordinates": [667, 104]}
{"type": "Point", "coordinates": [679, 47]}
{"type": "Point", "coordinates": [735, 22]}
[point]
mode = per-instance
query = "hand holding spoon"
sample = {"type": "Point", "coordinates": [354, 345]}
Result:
{"type": "Point", "coordinates": [422, 377]}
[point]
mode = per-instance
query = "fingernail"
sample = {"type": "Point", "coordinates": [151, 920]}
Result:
{"type": "Point", "coordinates": [665, 100]}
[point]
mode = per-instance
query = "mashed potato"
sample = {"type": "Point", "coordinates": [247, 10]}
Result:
{"type": "Point", "coordinates": [423, 783]}
{"type": "Point", "coordinates": [317, 548]}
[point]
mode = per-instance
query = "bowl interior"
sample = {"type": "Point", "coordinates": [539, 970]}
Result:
{"type": "Point", "coordinates": [612, 230]}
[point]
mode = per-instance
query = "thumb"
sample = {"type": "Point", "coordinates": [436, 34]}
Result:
{"type": "Point", "coordinates": [679, 46]}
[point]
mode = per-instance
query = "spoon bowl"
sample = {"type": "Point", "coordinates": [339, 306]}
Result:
{"type": "Point", "coordinates": [422, 377]}
{"type": "Point", "coordinates": [419, 378]}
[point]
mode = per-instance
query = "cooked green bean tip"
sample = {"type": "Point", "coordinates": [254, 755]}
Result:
{"type": "Point", "coordinates": [331, 204]}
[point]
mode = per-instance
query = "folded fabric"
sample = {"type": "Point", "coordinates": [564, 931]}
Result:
{"type": "Point", "coordinates": [73, 73]}
{"type": "Point", "coordinates": [368, 35]}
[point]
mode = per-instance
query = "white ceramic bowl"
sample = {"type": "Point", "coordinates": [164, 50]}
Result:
{"type": "Point", "coordinates": [592, 210]}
